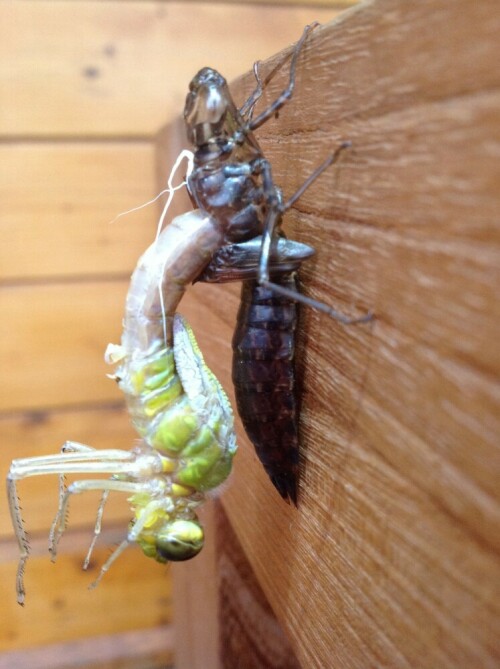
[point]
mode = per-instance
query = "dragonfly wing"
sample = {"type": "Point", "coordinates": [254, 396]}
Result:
{"type": "Point", "coordinates": [200, 384]}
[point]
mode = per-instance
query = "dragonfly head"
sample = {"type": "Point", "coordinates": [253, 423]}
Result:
{"type": "Point", "coordinates": [209, 112]}
{"type": "Point", "coordinates": [174, 541]}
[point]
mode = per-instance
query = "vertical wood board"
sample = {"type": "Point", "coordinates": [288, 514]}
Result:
{"type": "Point", "coordinates": [392, 557]}
{"type": "Point", "coordinates": [196, 606]}
{"type": "Point", "coordinates": [250, 635]}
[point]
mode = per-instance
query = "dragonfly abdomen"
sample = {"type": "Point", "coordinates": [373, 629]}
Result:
{"type": "Point", "coordinates": [263, 377]}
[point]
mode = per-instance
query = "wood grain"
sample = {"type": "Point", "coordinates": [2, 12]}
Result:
{"type": "Point", "coordinates": [251, 636]}
{"type": "Point", "coordinates": [119, 69]}
{"type": "Point", "coordinates": [84, 87]}
{"type": "Point", "coordinates": [196, 603]}
{"type": "Point", "coordinates": [53, 352]}
{"type": "Point", "coordinates": [59, 607]}
{"type": "Point", "coordinates": [145, 649]}
{"type": "Point", "coordinates": [392, 558]}
{"type": "Point", "coordinates": [58, 201]}
{"type": "Point", "coordinates": [336, 4]}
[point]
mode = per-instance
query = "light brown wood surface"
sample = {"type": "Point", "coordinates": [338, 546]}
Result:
{"type": "Point", "coordinates": [84, 87]}
{"type": "Point", "coordinates": [58, 202]}
{"type": "Point", "coordinates": [53, 614]}
{"type": "Point", "coordinates": [119, 69]}
{"type": "Point", "coordinates": [392, 558]}
{"type": "Point", "coordinates": [144, 649]}
{"type": "Point", "coordinates": [335, 4]}
{"type": "Point", "coordinates": [250, 635]}
{"type": "Point", "coordinates": [60, 342]}
{"type": "Point", "coordinates": [195, 596]}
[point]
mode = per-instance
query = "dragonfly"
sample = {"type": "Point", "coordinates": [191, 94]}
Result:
{"type": "Point", "coordinates": [176, 404]}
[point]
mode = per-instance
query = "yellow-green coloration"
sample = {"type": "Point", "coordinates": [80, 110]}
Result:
{"type": "Point", "coordinates": [184, 418]}
{"type": "Point", "coordinates": [180, 490]}
{"type": "Point", "coordinates": [155, 373]}
{"type": "Point", "coordinates": [169, 539]}
{"type": "Point", "coordinates": [168, 422]}
{"type": "Point", "coordinates": [176, 404]}
{"type": "Point", "coordinates": [155, 383]}
{"type": "Point", "coordinates": [177, 426]}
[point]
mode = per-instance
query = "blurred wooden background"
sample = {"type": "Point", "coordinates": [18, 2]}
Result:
{"type": "Point", "coordinates": [84, 87]}
{"type": "Point", "coordinates": [392, 558]}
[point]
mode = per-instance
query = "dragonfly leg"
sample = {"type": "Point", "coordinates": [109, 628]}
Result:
{"type": "Point", "coordinates": [105, 567]}
{"type": "Point", "coordinates": [332, 158]}
{"type": "Point", "coordinates": [21, 536]}
{"type": "Point", "coordinates": [72, 462]}
{"type": "Point", "coordinates": [276, 208]}
{"type": "Point", "coordinates": [68, 447]}
{"type": "Point", "coordinates": [76, 447]}
{"type": "Point", "coordinates": [134, 533]}
{"type": "Point", "coordinates": [247, 108]}
{"type": "Point", "coordinates": [77, 487]}
{"type": "Point", "coordinates": [97, 528]}
{"type": "Point", "coordinates": [20, 469]}
{"type": "Point", "coordinates": [92, 453]}
{"type": "Point", "coordinates": [75, 458]}
{"type": "Point", "coordinates": [253, 124]}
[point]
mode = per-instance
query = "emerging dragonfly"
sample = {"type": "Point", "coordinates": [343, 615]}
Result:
{"type": "Point", "coordinates": [177, 406]}
{"type": "Point", "coordinates": [232, 181]}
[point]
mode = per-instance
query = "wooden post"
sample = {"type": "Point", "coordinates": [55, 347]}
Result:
{"type": "Point", "coordinates": [392, 558]}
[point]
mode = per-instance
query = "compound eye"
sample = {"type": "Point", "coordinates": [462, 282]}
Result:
{"type": "Point", "coordinates": [180, 540]}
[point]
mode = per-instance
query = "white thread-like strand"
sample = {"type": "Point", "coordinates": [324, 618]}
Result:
{"type": "Point", "coordinates": [170, 190]}
{"type": "Point", "coordinates": [189, 155]}
{"type": "Point", "coordinates": [145, 204]}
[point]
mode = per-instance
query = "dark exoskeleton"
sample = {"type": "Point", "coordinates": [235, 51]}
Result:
{"type": "Point", "coordinates": [232, 181]}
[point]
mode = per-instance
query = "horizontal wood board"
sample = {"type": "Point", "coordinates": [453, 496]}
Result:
{"type": "Point", "coordinates": [392, 557]}
{"type": "Point", "coordinates": [55, 356]}
{"type": "Point", "coordinates": [144, 649]}
{"type": "Point", "coordinates": [119, 69]}
{"type": "Point", "coordinates": [59, 204]}
{"type": "Point", "coordinates": [52, 613]}
{"type": "Point", "coordinates": [44, 432]}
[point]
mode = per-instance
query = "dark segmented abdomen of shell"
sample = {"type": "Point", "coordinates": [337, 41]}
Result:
{"type": "Point", "coordinates": [264, 379]}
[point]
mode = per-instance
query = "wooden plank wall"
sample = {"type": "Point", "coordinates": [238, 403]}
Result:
{"type": "Point", "coordinates": [84, 88]}
{"type": "Point", "coordinates": [392, 558]}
